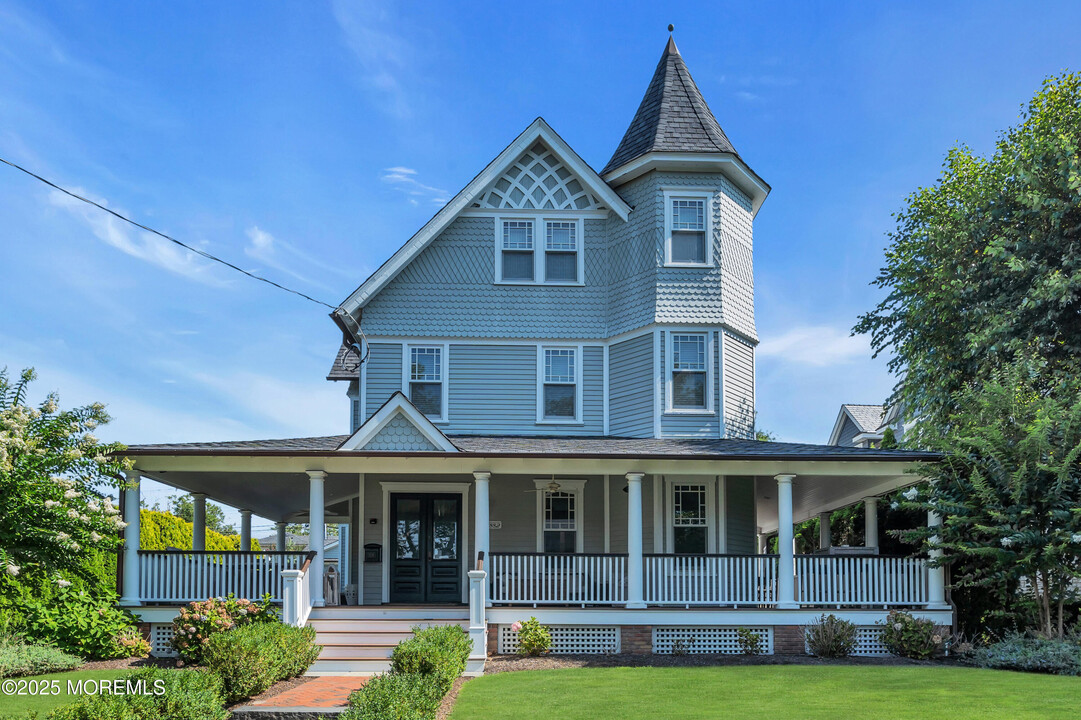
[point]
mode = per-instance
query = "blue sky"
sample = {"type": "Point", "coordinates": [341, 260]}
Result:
{"type": "Point", "coordinates": [309, 140]}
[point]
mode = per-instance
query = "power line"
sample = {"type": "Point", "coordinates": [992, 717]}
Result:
{"type": "Point", "coordinates": [197, 251]}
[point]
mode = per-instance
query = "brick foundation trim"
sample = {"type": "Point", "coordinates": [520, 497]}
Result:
{"type": "Point", "coordinates": [493, 639]}
{"type": "Point", "coordinates": [788, 640]}
{"type": "Point", "coordinates": [636, 639]}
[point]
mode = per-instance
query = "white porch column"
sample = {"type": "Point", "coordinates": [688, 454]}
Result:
{"type": "Point", "coordinates": [870, 522]}
{"type": "Point", "coordinates": [245, 529]}
{"type": "Point", "coordinates": [280, 540]}
{"type": "Point", "coordinates": [481, 531]}
{"type": "Point", "coordinates": [786, 566]}
{"type": "Point", "coordinates": [198, 521]}
{"type": "Point", "coordinates": [635, 595]}
{"type": "Point", "coordinates": [763, 541]}
{"type": "Point", "coordinates": [825, 541]}
{"type": "Point", "coordinates": [316, 535]}
{"type": "Point", "coordinates": [936, 576]}
{"type": "Point", "coordinates": [131, 539]}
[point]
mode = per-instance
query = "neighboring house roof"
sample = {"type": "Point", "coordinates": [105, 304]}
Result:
{"type": "Point", "coordinates": [537, 130]}
{"type": "Point", "coordinates": [345, 366]}
{"type": "Point", "coordinates": [866, 418]}
{"type": "Point", "coordinates": [525, 446]}
{"type": "Point", "coordinates": [672, 117]}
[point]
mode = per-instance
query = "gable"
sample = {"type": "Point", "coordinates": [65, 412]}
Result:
{"type": "Point", "coordinates": [398, 427]}
{"type": "Point", "coordinates": [399, 435]}
{"type": "Point", "coordinates": [538, 130]}
{"type": "Point", "coordinates": [539, 180]}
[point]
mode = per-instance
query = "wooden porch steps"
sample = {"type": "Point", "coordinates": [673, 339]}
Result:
{"type": "Point", "coordinates": [360, 640]}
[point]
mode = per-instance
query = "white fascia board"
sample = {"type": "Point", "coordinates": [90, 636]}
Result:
{"type": "Point", "coordinates": [835, 436]}
{"type": "Point", "coordinates": [398, 403]}
{"type": "Point", "coordinates": [538, 129]}
{"type": "Point", "coordinates": [730, 165]}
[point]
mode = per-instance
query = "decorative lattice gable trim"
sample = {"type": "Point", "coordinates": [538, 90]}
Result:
{"type": "Point", "coordinates": [539, 180]}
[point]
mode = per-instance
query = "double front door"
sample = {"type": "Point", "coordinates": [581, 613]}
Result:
{"type": "Point", "coordinates": [426, 548]}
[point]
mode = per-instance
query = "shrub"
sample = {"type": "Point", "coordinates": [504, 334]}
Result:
{"type": "Point", "coordinates": [533, 638]}
{"type": "Point", "coordinates": [1029, 654]}
{"type": "Point", "coordinates": [830, 637]}
{"type": "Point", "coordinates": [18, 658]}
{"type": "Point", "coordinates": [439, 651]}
{"type": "Point", "coordinates": [411, 696]}
{"type": "Point", "coordinates": [197, 622]}
{"type": "Point", "coordinates": [750, 642]}
{"type": "Point", "coordinates": [133, 642]}
{"type": "Point", "coordinates": [911, 637]}
{"type": "Point", "coordinates": [80, 624]}
{"type": "Point", "coordinates": [188, 695]}
{"type": "Point", "coordinates": [250, 659]}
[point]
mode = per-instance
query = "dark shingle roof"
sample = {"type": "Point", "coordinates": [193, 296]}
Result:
{"type": "Point", "coordinates": [867, 417]}
{"type": "Point", "coordinates": [496, 445]}
{"type": "Point", "coordinates": [673, 117]}
{"type": "Point", "coordinates": [345, 365]}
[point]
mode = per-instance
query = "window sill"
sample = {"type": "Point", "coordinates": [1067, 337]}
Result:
{"type": "Point", "coordinates": [698, 266]}
{"type": "Point", "coordinates": [531, 283]}
{"type": "Point", "coordinates": [560, 422]}
{"type": "Point", "coordinates": [677, 411]}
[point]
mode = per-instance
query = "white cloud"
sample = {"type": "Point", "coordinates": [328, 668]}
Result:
{"type": "Point", "coordinates": [384, 56]}
{"type": "Point", "coordinates": [282, 256]}
{"type": "Point", "coordinates": [404, 179]}
{"type": "Point", "coordinates": [137, 243]}
{"type": "Point", "coordinates": [816, 345]}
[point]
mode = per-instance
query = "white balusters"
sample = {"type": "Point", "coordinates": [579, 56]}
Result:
{"type": "Point", "coordinates": [874, 581]}
{"type": "Point", "coordinates": [172, 576]}
{"type": "Point", "coordinates": [533, 579]}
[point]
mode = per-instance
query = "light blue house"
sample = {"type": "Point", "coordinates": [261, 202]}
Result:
{"type": "Point", "coordinates": [552, 390]}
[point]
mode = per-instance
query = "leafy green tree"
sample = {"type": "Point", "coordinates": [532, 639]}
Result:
{"type": "Point", "coordinates": [1009, 489]}
{"type": "Point", "coordinates": [184, 508]}
{"type": "Point", "coordinates": [52, 517]}
{"type": "Point", "coordinates": [984, 265]}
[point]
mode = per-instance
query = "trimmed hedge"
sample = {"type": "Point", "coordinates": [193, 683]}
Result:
{"type": "Point", "coordinates": [422, 670]}
{"type": "Point", "coordinates": [18, 659]}
{"type": "Point", "coordinates": [161, 530]}
{"type": "Point", "coordinates": [188, 695]}
{"type": "Point", "coordinates": [250, 659]}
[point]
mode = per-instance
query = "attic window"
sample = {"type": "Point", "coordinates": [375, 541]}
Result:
{"type": "Point", "coordinates": [538, 249]}
{"type": "Point", "coordinates": [518, 250]}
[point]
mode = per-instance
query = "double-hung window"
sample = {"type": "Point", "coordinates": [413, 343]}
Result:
{"type": "Point", "coordinates": [539, 250]}
{"type": "Point", "coordinates": [687, 229]}
{"type": "Point", "coordinates": [517, 260]}
{"type": "Point", "coordinates": [426, 374]}
{"type": "Point", "coordinates": [559, 393]}
{"type": "Point", "coordinates": [561, 251]}
{"type": "Point", "coordinates": [690, 518]}
{"type": "Point", "coordinates": [689, 372]}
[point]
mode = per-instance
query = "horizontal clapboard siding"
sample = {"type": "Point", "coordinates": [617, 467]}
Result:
{"type": "Point", "coordinates": [739, 387]}
{"type": "Point", "coordinates": [739, 523]}
{"type": "Point", "coordinates": [384, 373]}
{"type": "Point", "coordinates": [631, 387]}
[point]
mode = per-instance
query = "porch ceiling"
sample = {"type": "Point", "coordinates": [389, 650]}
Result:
{"type": "Point", "coordinates": [812, 494]}
{"type": "Point", "coordinates": [278, 496]}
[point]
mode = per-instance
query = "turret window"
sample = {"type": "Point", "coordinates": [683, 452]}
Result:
{"type": "Point", "coordinates": [687, 229]}
{"type": "Point", "coordinates": [690, 377]}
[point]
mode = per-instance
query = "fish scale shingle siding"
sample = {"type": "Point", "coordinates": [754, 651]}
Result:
{"type": "Point", "coordinates": [448, 290]}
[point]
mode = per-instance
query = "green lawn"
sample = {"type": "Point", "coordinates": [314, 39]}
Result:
{"type": "Point", "coordinates": [767, 692]}
{"type": "Point", "coordinates": [15, 706]}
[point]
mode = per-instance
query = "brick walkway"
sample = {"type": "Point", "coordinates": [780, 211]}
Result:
{"type": "Point", "coordinates": [325, 692]}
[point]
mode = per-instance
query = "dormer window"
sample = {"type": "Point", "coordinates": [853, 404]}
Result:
{"type": "Point", "coordinates": [539, 250]}
{"type": "Point", "coordinates": [687, 229]}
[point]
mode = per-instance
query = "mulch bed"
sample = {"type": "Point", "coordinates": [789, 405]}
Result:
{"type": "Point", "coordinates": [129, 663]}
{"type": "Point", "coordinates": [449, 699]}
{"type": "Point", "coordinates": [512, 663]}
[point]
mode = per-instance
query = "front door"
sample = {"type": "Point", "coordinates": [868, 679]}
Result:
{"type": "Point", "coordinates": [426, 548]}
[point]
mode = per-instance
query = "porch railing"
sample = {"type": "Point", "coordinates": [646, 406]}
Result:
{"type": "Point", "coordinates": [839, 580]}
{"type": "Point", "coordinates": [557, 579]}
{"type": "Point", "coordinates": [171, 576]}
{"type": "Point", "coordinates": [710, 579]}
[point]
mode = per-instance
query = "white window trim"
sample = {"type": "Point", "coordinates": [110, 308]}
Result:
{"type": "Point", "coordinates": [540, 239]}
{"type": "Point", "coordinates": [671, 194]}
{"type": "Point", "coordinates": [445, 381]}
{"type": "Point", "coordinates": [578, 384]}
{"type": "Point", "coordinates": [711, 360]}
{"type": "Point", "coordinates": [713, 527]}
{"type": "Point", "coordinates": [573, 487]}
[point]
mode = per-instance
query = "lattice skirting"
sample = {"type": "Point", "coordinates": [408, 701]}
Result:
{"type": "Point", "coordinates": [868, 643]}
{"type": "Point", "coordinates": [161, 634]}
{"type": "Point", "coordinates": [695, 640]}
{"type": "Point", "coordinates": [568, 640]}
